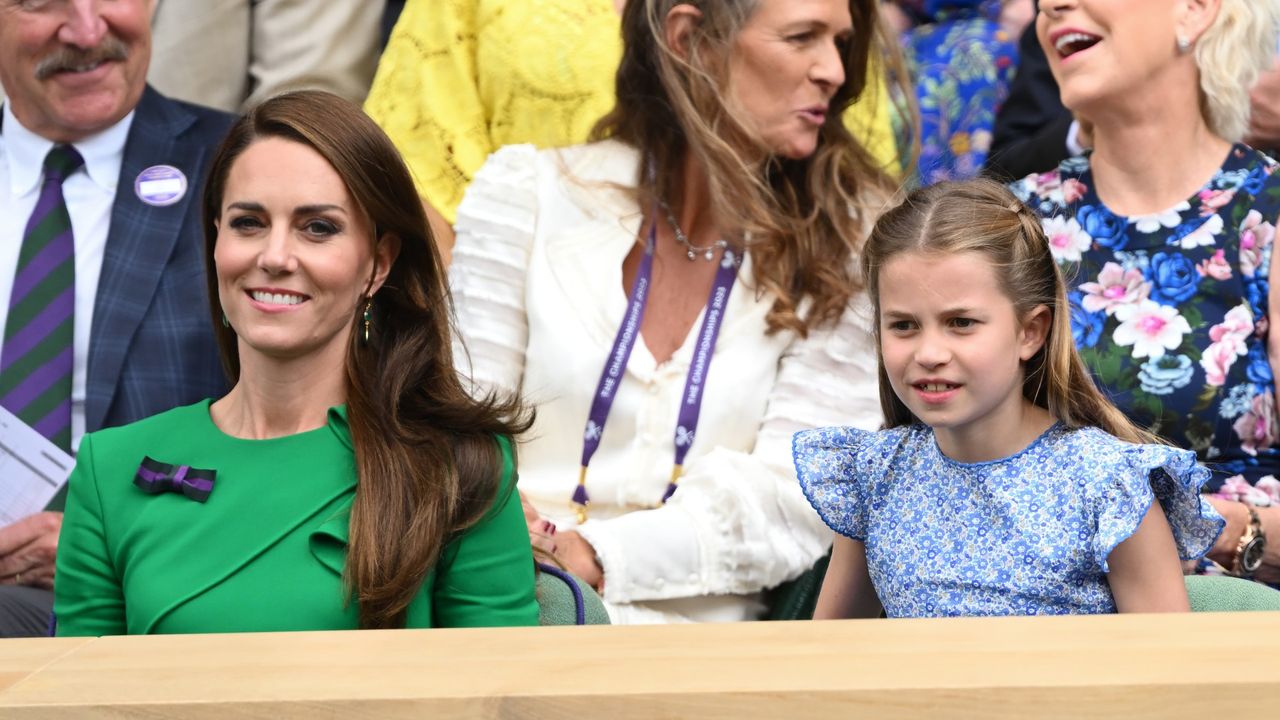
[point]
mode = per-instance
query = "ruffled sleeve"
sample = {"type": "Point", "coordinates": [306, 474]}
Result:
{"type": "Point", "coordinates": [1139, 474]}
{"type": "Point", "coordinates": [839, 469]}
{"type": "Point", "coordinates": [495, 231]}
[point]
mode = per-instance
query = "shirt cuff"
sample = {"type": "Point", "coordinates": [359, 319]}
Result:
{"type": "Point", "coordinates": [647, 555]}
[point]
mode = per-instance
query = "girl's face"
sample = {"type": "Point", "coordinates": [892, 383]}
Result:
{"type": "Point", "coordinates": [294, 254]}
{"type": "Point", "coordinates": [953, 346]}
{"type": "Point", "coordinates": [785, 66]}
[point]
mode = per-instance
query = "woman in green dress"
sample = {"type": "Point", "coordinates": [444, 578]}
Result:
{"type": "Point", "coordinates": [347, 480]}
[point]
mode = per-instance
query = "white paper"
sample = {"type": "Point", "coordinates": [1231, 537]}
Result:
{"type": "Point", "coordinates": [32, 469]}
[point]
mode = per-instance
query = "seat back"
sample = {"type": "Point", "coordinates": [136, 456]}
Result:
{"type": "Point", "coordinates": [1216, 593]}
{"type": "Point", "coordinates": [563, 599]}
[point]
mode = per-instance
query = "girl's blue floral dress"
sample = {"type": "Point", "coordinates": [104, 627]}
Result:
{"type": "Point", "coordinates": [1025, 535]}
{"type": "Point", "coordinates": [961, 64]}
{"type": "Point", "coordinates": [1170, 311]}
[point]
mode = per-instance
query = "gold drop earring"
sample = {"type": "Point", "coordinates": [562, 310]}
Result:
{"type": "Point", "coordinates": [368, 318]}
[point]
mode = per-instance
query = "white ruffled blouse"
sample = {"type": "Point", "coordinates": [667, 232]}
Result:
{"type": "Point", "coordinates": [537, 282]}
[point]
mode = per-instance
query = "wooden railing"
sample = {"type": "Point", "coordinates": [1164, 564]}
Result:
{"type": "Point", "coordinates": [1202, 666]}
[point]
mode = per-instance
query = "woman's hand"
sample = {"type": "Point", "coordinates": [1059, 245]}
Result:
{"type": "Point", "coordinates": [569, 548]}
{"type": "Point", "coordinates": [1236, 514]}
{"type": "Point", "coordinates": [1237, 517]}
{"type": "Point", "coordinates": [579, 558]}
{"type": "Point", "coordinates": [1264, 116]}
{"type": "Point", "coordinates": [27, 550]}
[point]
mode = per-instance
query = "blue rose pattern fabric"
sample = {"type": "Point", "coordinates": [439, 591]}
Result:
{"type": "Point", "coordinates": [1170, 310]}
{"type": "Point", "coordinates": [1025, 535]}
{"type": "Point", "coordinates": [961, 63]}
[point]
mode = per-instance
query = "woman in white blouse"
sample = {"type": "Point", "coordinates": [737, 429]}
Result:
{"type": "Point", "coordinates": [679, 297]}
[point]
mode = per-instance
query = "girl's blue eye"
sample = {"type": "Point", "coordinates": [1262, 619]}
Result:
{"type": "Point", "coordinates": [964, 323]}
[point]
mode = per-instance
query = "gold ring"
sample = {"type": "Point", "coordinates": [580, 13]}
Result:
{"type": "Point", "coordinates": [17, 578]}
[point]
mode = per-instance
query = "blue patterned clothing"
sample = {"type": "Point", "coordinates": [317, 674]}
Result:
{"type": "Point", "coordinates": [961, 64]}
{"type": "Point", "coordinates": [1024, 535]}
{"type": "Point", "coordinates": [1170, 310]}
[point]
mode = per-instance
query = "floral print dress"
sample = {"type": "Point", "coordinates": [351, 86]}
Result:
{"type": "Point", "coordinates": [1169, 310]}
{"type": "Point", "coordinates": [961, 64]}
{"type": "Point", "coordinates": [1029, 534]}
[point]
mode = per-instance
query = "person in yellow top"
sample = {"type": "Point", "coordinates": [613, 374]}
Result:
{"type": "Point", "coordinates": [461, 78]}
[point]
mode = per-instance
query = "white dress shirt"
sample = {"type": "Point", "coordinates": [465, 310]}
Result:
{"type": "Point", "coordinates": [90, 194]}
{"type": "Point", "coordinates": [537, 280]}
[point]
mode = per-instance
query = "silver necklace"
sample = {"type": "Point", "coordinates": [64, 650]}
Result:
{"type": "Point", "coordinates": [691, 251]}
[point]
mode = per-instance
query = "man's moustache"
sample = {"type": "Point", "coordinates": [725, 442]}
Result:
{"type": "Point", "coordinates": [72, 59]}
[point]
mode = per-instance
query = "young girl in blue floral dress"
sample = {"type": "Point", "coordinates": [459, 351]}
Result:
{"type": "Point", "coordinates": [1005, 483]}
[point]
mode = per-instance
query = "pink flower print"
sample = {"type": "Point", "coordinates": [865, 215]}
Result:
{"type": "Point", "coordinates": [1151, 328]}
{"type": "Point", "coordinates": [1213, 200]}
{"type": "Point", "coordinates": [1255, 237]}
{"type": "Point", "coordinates": [1115, 287]}
{"type": "Point", "coordinates": [1066, 239]}
{"type": "Point", "coordinates": [1073, 190]}
{"type": "Point", "coordinates": [1229, 338]}
{"type": "Point", "coordinates": [1047, 184]}
{"type": "Point", "coordinates": [1234, 489]}
{"type": "Point", "coordinates": [1215, 267]}
{"type": "Point", "coordinates": [1235, 328]}
{"type": "Point", "coordinates": [1270, 487]}
{"type": "Point", "coordinates": [1216, 361]}
{"type": "Point", "coordinates": [1256, 428]}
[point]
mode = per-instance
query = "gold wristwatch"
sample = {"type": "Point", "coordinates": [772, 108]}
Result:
{"type": "Point", "coordinates": [1253, 541]}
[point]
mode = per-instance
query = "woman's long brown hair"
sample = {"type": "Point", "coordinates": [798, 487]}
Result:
{"type": "Point", "coordinates": [427, 462]}
{"type": "Point", "coordinates": [982, 216]}
{"type": "Point", "coordinates": [806, 219]}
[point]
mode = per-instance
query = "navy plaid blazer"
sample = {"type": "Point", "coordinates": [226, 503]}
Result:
{"type": "Point", "coordinates": [151, 344]}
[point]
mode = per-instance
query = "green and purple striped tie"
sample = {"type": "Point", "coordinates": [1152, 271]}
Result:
{"type": "Point", "coordinates": [36, 362]}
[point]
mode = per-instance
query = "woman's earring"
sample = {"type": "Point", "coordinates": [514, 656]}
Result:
{"type": "Point", "coordinates": [368, 318]}
{"type": "Point", "coordinates": [224, 321]}
{"type": "Point", "coordinates": [1184, 45]}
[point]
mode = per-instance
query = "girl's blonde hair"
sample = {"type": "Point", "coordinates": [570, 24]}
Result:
{"type": "Point", "coordinates": [982, 216]}
{"type": "Point", "coordinates": [806, 218]}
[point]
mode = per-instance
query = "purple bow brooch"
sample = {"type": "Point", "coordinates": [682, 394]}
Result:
{"type": "Point", "coordinates": [156, 477]}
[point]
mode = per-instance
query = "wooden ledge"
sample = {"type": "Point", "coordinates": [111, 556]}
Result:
{"type": "Point", "coordinates": [1133, 666]}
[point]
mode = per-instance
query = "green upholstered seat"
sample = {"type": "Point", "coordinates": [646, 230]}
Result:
{"type": "Point", "coordinates": [563, 599]}
{"type": "Point", "coordinates": [1228, 594]}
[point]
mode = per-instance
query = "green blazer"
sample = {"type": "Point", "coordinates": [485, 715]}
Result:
{"type": "Point", "coordinates": [265, 551]}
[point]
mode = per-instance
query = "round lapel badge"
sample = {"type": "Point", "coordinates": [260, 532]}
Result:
{"type": "Point", "coordinates": [160, 185]}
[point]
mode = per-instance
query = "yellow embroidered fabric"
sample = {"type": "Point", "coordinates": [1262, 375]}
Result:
{"type": "Point", "coordinates": [461, 78]}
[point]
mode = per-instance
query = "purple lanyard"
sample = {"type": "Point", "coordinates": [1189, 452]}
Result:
{"type": "Point", "coordinates": [616, 363]}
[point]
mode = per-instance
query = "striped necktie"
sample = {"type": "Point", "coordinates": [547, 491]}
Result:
{"type": "Point", "coordinates": [36, 362]}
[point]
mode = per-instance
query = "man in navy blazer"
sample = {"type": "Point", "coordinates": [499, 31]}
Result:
{"type": "Point", "coordinates": [75, 74]}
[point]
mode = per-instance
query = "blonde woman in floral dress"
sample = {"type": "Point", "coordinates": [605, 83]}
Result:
{"type": "Point", "coordinates": [1167, 230]}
